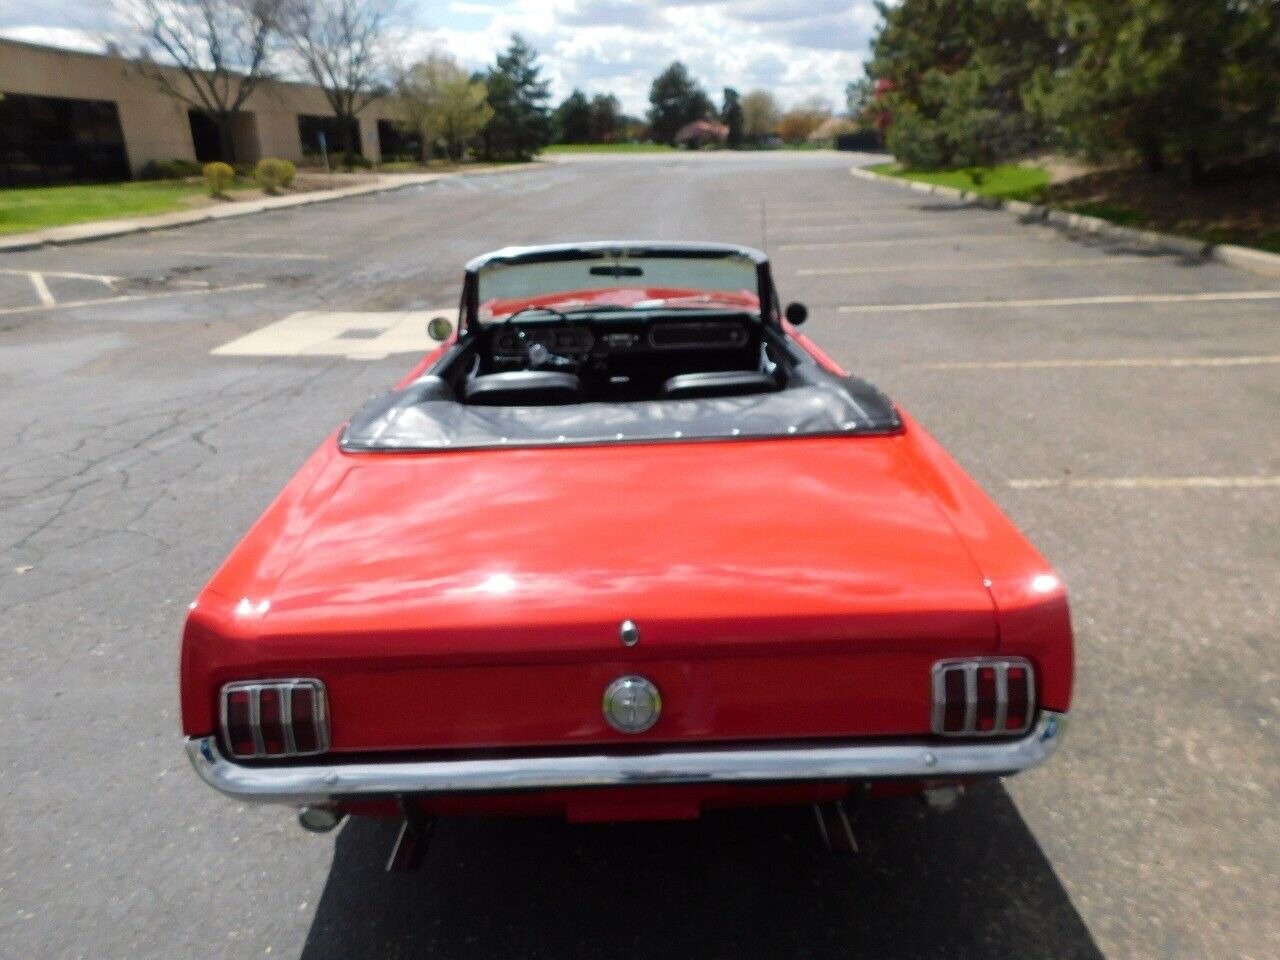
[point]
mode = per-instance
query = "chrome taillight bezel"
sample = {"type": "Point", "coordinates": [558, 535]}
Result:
{"type": "Point", "coordinates": [285, 690]}
{"type": "Point", "coordinates": [969, 667]}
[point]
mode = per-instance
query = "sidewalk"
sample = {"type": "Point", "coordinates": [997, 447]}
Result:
{"type": "Point", "coordinates": [105, 229]}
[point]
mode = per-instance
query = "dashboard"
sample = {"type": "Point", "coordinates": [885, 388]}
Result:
{"type": "Point", "coordinates": [609, 338]}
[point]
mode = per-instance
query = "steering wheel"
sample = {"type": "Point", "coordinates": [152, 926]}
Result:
{"type": "Point", "coordinates": [537, 353]}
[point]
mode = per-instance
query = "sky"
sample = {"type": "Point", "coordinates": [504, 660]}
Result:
{"type": "Point", "coordinates": [796, 48]}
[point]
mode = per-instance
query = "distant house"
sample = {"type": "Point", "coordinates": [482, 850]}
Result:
{"type": "Point", "coordinates": [702, 133]}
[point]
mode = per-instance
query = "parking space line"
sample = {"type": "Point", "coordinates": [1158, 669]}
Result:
{"type": "Point", "coordinates": [64, 275]}
{"type": "Point", "coordinates": [131, 297]}
{"type": "Point", "coordinates": [1100, 261]}
{"type": "Point", "coordinates": [41, 288]}
{"type": "Point", "coordinates": [914, 241]}
{"type": "Point", "coordinates": [1106, 300]}
{"type": "Point", "coordinates": [1245, 361]}
{"type": "Point", "coordinates": [1149, 483]}
{"type": "Point", "coordinates": [232, 254]}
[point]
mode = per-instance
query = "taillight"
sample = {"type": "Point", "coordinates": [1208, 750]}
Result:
{"type": "Point", "coordinates": [275, 719]}
{"type": "Point", "coordinates": [983, 697]}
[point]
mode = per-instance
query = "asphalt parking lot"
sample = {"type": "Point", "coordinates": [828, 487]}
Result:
{"type": "Point", "coordinates": [1123, 406]}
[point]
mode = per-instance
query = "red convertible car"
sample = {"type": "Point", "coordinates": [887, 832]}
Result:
{"type": "Point", "coordinates": [628, 546]}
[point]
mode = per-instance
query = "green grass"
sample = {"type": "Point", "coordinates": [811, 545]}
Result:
{"type": "Point", "coordinates": [34, 208]}
{"type": "Point", "coordinates": [1006, 181]}
{"type": "Point", "coordinates": [609, 148]}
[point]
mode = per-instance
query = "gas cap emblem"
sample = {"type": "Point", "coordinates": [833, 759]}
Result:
{"type": "Point", "coordinates": [629, 632]}
{"type": "Point", "coordinates": [632, 704]}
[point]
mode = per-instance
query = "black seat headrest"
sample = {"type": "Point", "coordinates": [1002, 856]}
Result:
{"type": "Point", "coordinates": [523, 388]}
{"type": "Point", "coordinates": [720, 383]}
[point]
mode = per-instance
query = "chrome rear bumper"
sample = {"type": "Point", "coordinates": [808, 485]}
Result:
{"type": "Point", "coordinates": [324, 783]}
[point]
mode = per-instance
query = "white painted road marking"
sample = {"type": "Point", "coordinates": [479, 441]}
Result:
{"type": "Point", "coordinates": [915, 241]}
{"type": "Point", "coordinates": [354, 335]}
{"type": "Point", "coordinates": [129, 298]}
{"type": "Point", "coordinates": [1148, 483]}
{"type": "Point", "coordinates": [1108, 300]}
{"type": "Point", "coordinates": [237, 254]}
{"type": "Point", "coordinates": [1103, 261]}
{"type": "Point", "coordinates": [1112, 362]}
{"type": "Point", "coordinates": [65, 275]}
{"type": "Point", "coordinates": [41, 288]}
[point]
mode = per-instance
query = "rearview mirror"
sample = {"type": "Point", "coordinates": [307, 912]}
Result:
{"type": "Point", "coordinates": [438, 328]}
{"type": "Point", "coordinates": [796, 313]}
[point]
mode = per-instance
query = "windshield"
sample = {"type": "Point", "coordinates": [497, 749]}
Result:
{"type": "Point", "coordinates": [618, 283]}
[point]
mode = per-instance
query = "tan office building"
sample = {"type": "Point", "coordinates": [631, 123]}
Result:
{"type": "Point", "coordinates": [68, 116]}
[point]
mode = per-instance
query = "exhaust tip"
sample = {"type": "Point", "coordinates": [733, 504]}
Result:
{"type": "Point", "coordinates": [318, 819]}
{"type": "Point", "coordinates": [943, 799]}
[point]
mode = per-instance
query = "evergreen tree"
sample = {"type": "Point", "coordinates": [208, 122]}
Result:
{"type": "Point", "coordinates": [604, 118]}
{"type": "Point", "coordinates": [573, 118]}
{"type": "Point", "coordinates": [957, 70]}
{"type": "Point", "coordinates": [676, 100]}
{"type": "Point", "coordinates": [521, 124]}
{"type": "Point", "coordinates": [1172, 81]}
{"type": "Point", "coordinates": [732, 117]}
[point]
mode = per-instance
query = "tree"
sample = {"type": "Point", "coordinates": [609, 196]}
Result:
{"type": "Point", "coordinates": [677, 100]}
{"type": "Point", "coordinates": [731, 117]}
{"type": "Point", "coordinates": [521, 124]}
{"type": "Point", "coordinates": [858, 95]}
{"type": "Point", "coordinates": [342, 45]}
{"type": "Point", "coordinates": [573, 118]}
{"type": "Point", "coordinates": [955, 72]}
{"type": "Point", "coordinates": [604, 119]}
{"type": "Point", "coordinates": [446, 105]}
{"type": "Point", "coordinates": [1178, 82]}
{"type": "Point", "coordinates": [221, 48]}
{"type": "Point", "coordinates": [797, 125]}
{"type": "Point", "coordinates": [760, 115]}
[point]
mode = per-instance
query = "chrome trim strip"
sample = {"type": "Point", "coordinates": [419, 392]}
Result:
{"type": "Point", "coordinates": [970, 697]}
{"type": "Point", "coordinates": [286, 720]}
{"type": "Point", "coordinates": [255, 721]}
{"type": "Point", "coordinates": [1002, 695]}
{"type": "Point", "coordinates": [325, 783]}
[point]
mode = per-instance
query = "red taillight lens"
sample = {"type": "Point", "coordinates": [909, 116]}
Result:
{"type": "Point", "coordinates": [953, 717]}
{"type": "Point", "coordinates": [239, 726]}
{"type": "Point", "coordinates": [302, 713]}
{"type": "Point", "coordinates": [270, 722]}
{"type": "Point", "coordinates": [986, 699]}
{"type": "Point", "coordinates": [1019, 698]}
{"type": "Point", "coordinates": [275, 718]}
{"type": "Point", "coordinates": [982, 697]}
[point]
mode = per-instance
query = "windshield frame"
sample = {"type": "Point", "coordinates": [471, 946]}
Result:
{"type": "Point", "coordinates": [469, 313]}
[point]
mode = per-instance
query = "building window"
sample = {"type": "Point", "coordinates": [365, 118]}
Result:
{"type": "Point", "coordinates": [311, 127]}
{"type": "Point", "coordinates": [205, 137]}
{"type": "Point", "coordinates": [47, 140]}
{"type": "Point", "coordinates": [395, 142]}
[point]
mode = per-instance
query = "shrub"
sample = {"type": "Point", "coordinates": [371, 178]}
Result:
{"type": "Point", "coordinates": [175, 168]}
{"type": "Point", "coordinates": [353, 161]}
{"type": "Point", "coordinates": [219, 176]}
{"type": "Point", "coordinates": [287, 172]}
{"type": "Point", "coordinates": [270, 174]}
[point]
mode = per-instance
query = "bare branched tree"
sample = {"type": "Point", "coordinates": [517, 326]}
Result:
{"type": "Point", "coordinates": [342, 45]}
{"type": "Point", "coordinates": [213, 53]}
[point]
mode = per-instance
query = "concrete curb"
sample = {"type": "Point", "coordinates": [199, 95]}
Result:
{"type": "Point", "coordinates": [1242, 258]}
{"type": "Point", "coordinates": [107, 229]}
